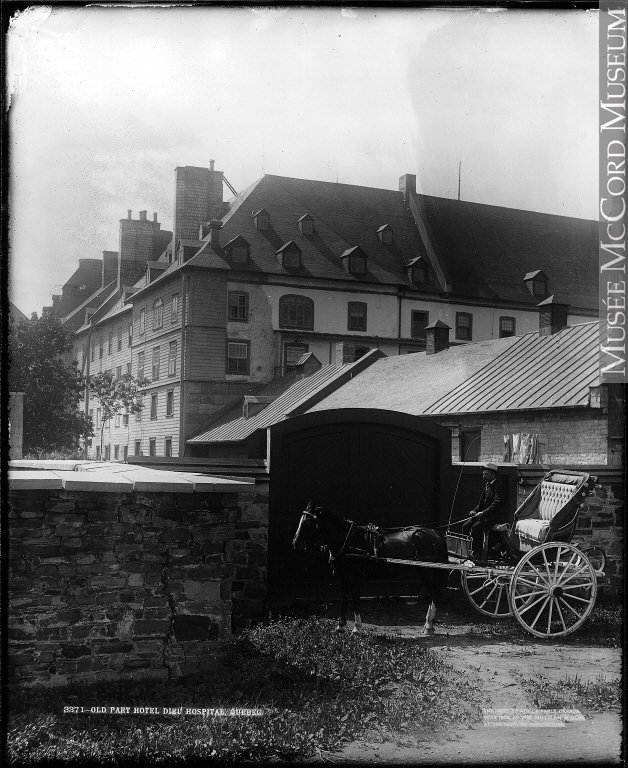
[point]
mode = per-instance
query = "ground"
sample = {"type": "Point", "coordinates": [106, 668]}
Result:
{"type": "Point", "coordinates": [502, 664]}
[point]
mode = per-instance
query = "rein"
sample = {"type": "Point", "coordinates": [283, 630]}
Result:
{"type": "Point", "coordinates": [333, 558]}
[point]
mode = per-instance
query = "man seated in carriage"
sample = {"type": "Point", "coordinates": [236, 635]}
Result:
{"type": "Point", "coordinates": [487, 511]}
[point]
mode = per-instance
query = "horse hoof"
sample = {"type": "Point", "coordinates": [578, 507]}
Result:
{"type": "Point", "coordinates": [356, 631]}
{"type": "Point", "coordinates": [339, 628]}
{"type": "Point", "coordinates": [428, 631]}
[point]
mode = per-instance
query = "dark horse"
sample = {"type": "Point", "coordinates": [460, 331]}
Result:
{"type": "Point", "coordinates": [343, 538]}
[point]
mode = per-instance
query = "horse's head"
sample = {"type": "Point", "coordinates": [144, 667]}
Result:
{"type": "Point", "coordinates": [308, 528]}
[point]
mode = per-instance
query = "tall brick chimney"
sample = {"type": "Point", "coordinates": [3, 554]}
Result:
{"type": "Point", "coordinates": [407, 185]}
{"type": "Point", "coordinates": [436, 337]}
{"type": "Point", "coordinates": [552, 316]}
{"type": "Point", "coordinates": [197, 199]}
{"type": "Point", "coordinates": [141, 240]}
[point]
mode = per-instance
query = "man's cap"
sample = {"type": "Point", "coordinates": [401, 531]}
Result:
{"type": "Point", "coordinates": [492, 467]}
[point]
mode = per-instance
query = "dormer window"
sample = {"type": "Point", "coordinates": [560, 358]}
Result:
{"type": "Point", "coordinates": [261, 219]}
{"type": "Point", "coordinates": [417, 271]}
{"type": "Point", "coordinates": [537, 283]}
{"type": "Point", "coordinates": [385, 234]}
{"type": "Point", "coordinates": [354, 260]}
{"type": "Point", "coordinates": [290, 255]}
{"type": "Point", "coordinates": [306, 224]}
{"type": "Point", "coordinates": [238, 250]}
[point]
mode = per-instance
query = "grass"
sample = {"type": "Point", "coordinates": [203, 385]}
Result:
{"type": "Point", "coordinates": [319, 689]}
{"type": "Point", "coordinates": [571, 692]}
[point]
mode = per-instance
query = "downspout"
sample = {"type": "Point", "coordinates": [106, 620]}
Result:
{"type": "Point", "coordinates": [86, 359]}
{"type": "Point", "coordinates": [184, 287]}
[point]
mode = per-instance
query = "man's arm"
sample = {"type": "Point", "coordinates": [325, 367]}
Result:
{"type": "Point", "coordinates": [496, 504]}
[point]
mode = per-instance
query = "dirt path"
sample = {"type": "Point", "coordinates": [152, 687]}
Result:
{"type": "Point", "coordinates": [497, 664]}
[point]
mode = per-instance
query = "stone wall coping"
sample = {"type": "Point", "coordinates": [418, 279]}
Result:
{"type": "Point", "coordinates": [117, 478]}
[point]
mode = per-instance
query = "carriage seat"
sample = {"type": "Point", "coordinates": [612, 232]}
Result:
{"type": "Point", "coordinates": [555, 493]}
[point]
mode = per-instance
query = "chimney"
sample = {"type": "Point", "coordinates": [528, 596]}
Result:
{"type": "Point", "coordinates": [349, 352]}
{"type": "Point", "coordinates": [129, 214]}
{"type": "Point", "coordinates": [211, 165]}
{"type": "Point", "coordinates": [155, 217]}
{"type": "Point", "coordinates": [436, 337]}
{"type": "Point", "coordinates": [143, 215]}
{"type": "Point", "coordinates": [215, 226]}
{"type": "Point", "coordinates": [407, 186]}
{"type": "Point", "coordinates": [552, 316]}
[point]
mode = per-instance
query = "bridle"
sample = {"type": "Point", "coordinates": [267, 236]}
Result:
{"type": "Point", "coordinates": [332, 557]}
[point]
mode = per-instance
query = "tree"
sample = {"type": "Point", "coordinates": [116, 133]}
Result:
{"type": "Point", "coordinates": [52, 389]}
{"type": "Point", "coordinates": [115, 395]}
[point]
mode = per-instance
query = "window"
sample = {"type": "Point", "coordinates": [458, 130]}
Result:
{"type": "Point", "coordinates": [470, 444]}
{"type": "Point", "coordinates": [354, 260]}
{"type": "Point", "coordinates": [119, 338]}
{"type": "Point", "coordinates": [100, 348]}
{"type": "Point", "coordinates": [125, 453]}
{"type": "Point", "coordinates": [116, 452]}
{"type": "Point", "coordinates": [238, 357]}
{"type": "Point", "coordinates": [98, 417]}
{"type": "Point", "coordinates": [138, 447]}
{"type": "Point", "coordinates": [170, 402]}
{"type": "Point", "coordinates": [91, 415]}
{"type": "Point", "coordinates": [168, 446]}
{"type": "Point", "coordinates": [239, 307]}
{"type": "Point", "coordinates": [172, 358]}
{"type": "Point", "coordinates": [116, 420]}
{"type": "Point", "coordinates": [356, 320]}
{"type": "Point", "coordinates": [156, 364]}
{"type": "Point", "coordinates": [464, 326]}
{"type": "Point", "coordinates": [174, 308]}
{"type": "Point", "coordinates": [130, 333]}
{"type": "Point", "coordinates": [418, 323]}
{"type": "Point", "coordinates": [125, 419]}
{"type": "Point", "coordinates": [306, 224]}
{"type": "Point", "coordinates": [119, 372]}
{"type": "Point", "coordinates": [261, 219]}
{"type": "Point", "coordinates": [296, 312]}
{"type": "Point", "coordinates": [539, 287]}
{"type": "Point", "coordinates": [153, 406]}
{"type": "Point", "coordinates": [110, 342]}
{"type": "Point", "coordinates": [506, 327]}
{"type": "Point", "coordinates": [158, 313]}
{"type": "Point", "coordinates": [128, 369]}
{"type": "Point", "coordinates": [92, 352]}
{"type": "Point", "coordinates": [97, 453]}
{"type": "Point", "coordinates": [142, 320]}
{"type": "Point", "coordinates": [108, 452]}
{"type": "Point", "coordinates": [291, 355]}
{"type": "Point", "coordinates": [385, 234]}
{"type": "Point", "coordinates": [152, 447]}
{"type": "Point", "coordinates": [138, 415]}
{"type": "Point", "coordinates": [239, 254]}
{"type": "Point", "coordinates": [290, 254]}
{"type": "Point", "coordinates": [140, 365]}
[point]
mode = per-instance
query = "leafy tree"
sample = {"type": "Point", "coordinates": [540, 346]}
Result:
{"type": "Point", "coordinates": [52, 389]}
{"type": "Point", "coordinates": [116, 395]}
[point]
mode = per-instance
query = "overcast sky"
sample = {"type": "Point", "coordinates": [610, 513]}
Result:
{"type": "Point", "coordinates": [106, 102]}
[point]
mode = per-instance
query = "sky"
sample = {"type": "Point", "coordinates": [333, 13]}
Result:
{"type": "Point", "coordinates": [106, 102]}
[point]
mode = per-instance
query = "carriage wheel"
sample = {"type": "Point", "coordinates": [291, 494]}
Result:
{"type": "Point", "coordinates": [553, 590]}
{"type": "Point", "coordinates": [488, 592]}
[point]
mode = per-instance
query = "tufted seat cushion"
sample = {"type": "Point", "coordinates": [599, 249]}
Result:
{"type": "Point", "coordinates": [532, 531]}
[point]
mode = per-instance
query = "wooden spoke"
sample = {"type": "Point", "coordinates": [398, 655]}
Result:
{"type": "Point", "coordinates": [485, 592]}
{"type": "Point", "coordinates": [579, 586]}
{"type": "Point", "coordinates": [573, 610]}
{"type": "Point", "coordinates": [528, 595]}
{"type": "Point", "coordinates": [538, 615]}
{"type": "Point", "coordinates": [560, 613]}
{"type": "Point", "coordinates": [562, 582]}
{"type": "Point", "coordinates": [579, 599]}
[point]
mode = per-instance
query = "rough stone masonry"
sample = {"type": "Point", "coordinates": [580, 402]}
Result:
{"type": "Point", "coordinates": [108, 586]}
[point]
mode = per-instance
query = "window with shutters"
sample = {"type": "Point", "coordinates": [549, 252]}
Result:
{"type": "Point", "coordinates": [172, 358]}
{"type": "Point", "coordinates": [239, 307]}
{"type": "Point", "coordinates": [140, 365]}
{"type": "Point", "coordinates": [153, 406]}
{"type": "Point", "coordinates": [158, 313]}
{"type": "Point", "coordinates": [152, 447]}
{"type": "Point", "coordinates": [142, 320]}
{"type": "Point", "coordinates": [167, 446]}
{"type": "Point", "coordinates": [170, 402]}
{"type": "Point", "coordinates": [296, 311]}
{"type": "Point", "coordinates": [156, 364]}
{"type": "Point", "coordinates": [174, 310]}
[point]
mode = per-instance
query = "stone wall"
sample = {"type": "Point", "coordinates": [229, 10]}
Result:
{"type": "Point", "coordinates": [107, 586]}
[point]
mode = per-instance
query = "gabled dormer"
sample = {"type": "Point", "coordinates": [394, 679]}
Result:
{"type": "Point", "coordinates": [354, 260]}
{"type": "Point", "coordinates": [306, 224]}
{"type": "Point", "coordinates": [537, 283]}
{"type": "Point", "coordinates": [261, 219]}
{"type": "Point", "coordinates": [238, 250]}
{"type": "Point", "coordinates": [290, 255]}
{"type": "Point", "coordinates": [417, 271]}
{"type": "Point", "coordinates": [385, 234]}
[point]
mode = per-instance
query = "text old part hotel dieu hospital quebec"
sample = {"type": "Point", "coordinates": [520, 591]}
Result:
{"type": "Point", "coordinates": [245, 289]}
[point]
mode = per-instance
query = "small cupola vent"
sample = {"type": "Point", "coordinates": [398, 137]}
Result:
{"type": "Point", "coordinates": [306, 224]}
{"type": "Point", "coordinates": [261, 219]}
{"type": "Point", "coordinates": [385, 234]}
{"type": "Point", "coordinates": [537, 283]}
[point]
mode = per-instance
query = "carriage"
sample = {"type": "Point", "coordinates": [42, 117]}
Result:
{"type": "Point", "coordinates": [530, 569]}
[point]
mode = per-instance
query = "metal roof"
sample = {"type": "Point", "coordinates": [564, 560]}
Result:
{"type": "Point", "coordinates": [516, 373]}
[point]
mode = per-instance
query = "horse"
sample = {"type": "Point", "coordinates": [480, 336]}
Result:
{"type": "Point", "coordinates": [343, 537]}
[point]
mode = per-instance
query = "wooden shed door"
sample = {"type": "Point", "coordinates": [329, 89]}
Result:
{"type": "Point", "coordinates": [378, 469]}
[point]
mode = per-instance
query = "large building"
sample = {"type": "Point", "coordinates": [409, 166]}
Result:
{"type": "Point", "coordinates": [243, 289]}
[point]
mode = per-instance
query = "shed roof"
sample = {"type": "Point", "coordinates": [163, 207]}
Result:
{"type": "Point", "coordinates": [518, 373]}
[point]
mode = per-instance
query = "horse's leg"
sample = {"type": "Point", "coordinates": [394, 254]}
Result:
{"type": "Point", "coordinates": [342, 621]}
{"type": "Point", "coordinates": [355, 600]}
{"type": "Point", "coordinates": [428, 629]}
